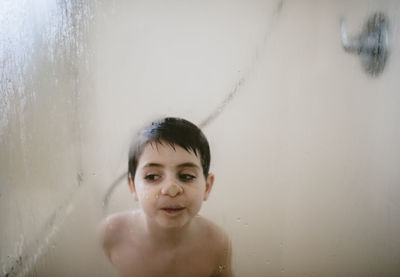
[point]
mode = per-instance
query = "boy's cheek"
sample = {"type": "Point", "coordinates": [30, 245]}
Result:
{"type": "Point", "coordinates": [144, 195]}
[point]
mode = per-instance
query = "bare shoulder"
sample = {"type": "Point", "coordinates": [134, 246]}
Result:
{"type": "Point", "coordinates": [212, 231]}
{"type": "Point", "coordinates": [112, 229]}
{"type": "Point", "coordinates": [219, 240]}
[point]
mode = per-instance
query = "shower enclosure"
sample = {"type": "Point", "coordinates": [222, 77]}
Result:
{"type": "Point", "coordinates": [304, 137]}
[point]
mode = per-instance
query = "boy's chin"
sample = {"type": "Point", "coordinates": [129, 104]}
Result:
{"type": "Point", "coordinates": [173, 223]}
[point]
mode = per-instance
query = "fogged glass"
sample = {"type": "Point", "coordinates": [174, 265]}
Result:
{"type": "Point", "coordinates": [304, 143]}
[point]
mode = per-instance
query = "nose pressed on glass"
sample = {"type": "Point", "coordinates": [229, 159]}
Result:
{"type": "Point", "coordinates": [172, 190]}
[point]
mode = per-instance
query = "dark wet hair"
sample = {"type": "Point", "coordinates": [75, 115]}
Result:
{"type": "Point", "coordinates": [175, 131]}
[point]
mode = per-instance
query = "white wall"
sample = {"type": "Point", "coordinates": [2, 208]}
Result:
{"type": "Point", "coordinates": [304, 143]}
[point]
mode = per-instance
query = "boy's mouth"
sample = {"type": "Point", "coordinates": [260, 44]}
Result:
{"type": "Point", "coordinates": [173, 210]}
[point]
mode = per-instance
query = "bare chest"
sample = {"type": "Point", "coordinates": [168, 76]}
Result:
{"type": "Point", "coordinates": [135, 261]}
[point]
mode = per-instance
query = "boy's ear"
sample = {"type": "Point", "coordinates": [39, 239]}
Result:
{"type": "Point", "coordinates": [209, 185]}
{"type": "Point", "coordinates": [132, 187]}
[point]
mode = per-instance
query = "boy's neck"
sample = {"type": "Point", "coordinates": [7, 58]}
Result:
{"type": "Point", "coordinates": [165, 237]}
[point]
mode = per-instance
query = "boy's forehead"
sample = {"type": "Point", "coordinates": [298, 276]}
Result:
{"type": "Point", "coordinates": [169, 151]}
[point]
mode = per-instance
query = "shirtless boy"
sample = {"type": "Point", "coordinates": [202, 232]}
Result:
{"type": "Point", "coordinates": [169, 176]}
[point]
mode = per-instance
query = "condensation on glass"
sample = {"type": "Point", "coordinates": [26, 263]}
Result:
{"type": "Point", "coordinates": [43, 58]}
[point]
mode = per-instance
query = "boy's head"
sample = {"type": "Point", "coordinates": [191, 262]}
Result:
{"type": "Point", "coordinates": [175, 131]}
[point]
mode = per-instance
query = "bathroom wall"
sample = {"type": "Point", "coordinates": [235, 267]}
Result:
{"type": "Point", "coordinates": [304, 142]}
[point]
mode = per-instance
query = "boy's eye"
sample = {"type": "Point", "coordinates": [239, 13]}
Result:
{"type": "Point", "coordinates": [152, 177]}
{"type": "Point", "coordinates": [186, 177]}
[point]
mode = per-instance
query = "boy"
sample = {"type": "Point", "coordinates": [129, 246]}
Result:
{"type": "Point", "coordinates": [168, 174]}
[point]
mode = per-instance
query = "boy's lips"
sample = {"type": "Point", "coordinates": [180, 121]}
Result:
{"type": "Point", "coordinates": [173, 209]}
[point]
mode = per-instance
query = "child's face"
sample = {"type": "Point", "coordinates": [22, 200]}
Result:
{"type": "Point", "coordinates": [170, 184]}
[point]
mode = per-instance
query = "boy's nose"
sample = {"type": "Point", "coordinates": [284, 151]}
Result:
{"type": "Point", "coordinates": [172, 189]}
